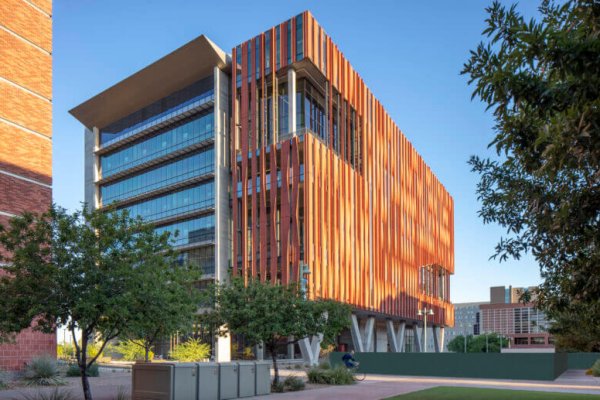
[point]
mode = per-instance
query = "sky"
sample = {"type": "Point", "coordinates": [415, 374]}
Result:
{"type": "Point", "coordinates": [409, 53]}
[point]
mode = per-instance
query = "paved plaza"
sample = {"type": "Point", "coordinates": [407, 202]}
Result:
{"type": "Point", "coordinates": [374, 387]}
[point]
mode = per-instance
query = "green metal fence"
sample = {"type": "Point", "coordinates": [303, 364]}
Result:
{"type": "Point", "coordinates": [526, 366]}
{"type": "Point", "coordinates": [582, 360]}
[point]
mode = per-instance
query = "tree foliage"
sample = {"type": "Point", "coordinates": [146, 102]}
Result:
{"type": "Point", "coordinates": [190, 350]}
{"type": "Point", "coordinates": [87, 271]}
{"type": "Point", "coordinates": [541, 79]}
{"type": "Point", "coordinates": [267, 313]}
{"type": "Point", "coordinates": [490, 343]}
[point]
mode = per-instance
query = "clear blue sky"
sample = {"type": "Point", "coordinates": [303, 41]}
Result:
{"type": "Point", "coordinates": [408, 52]}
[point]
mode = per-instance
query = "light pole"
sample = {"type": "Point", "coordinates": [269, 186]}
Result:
{"type": "Point", "coordinates": [425, 312]}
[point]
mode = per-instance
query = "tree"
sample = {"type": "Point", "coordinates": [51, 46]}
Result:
{"type": "Point", "coordinates": [85, 271]}
{"type": "Point", "coordinates": [166, 304]}
{"type": "Point", "coordinates": [542, 81]}
{"type": "Point", "coordinates": [268, 313]}
{"type": "Point", "coordinates": [486, 343]}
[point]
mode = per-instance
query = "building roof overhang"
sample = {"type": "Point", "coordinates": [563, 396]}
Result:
{"type": "Point", "coordinates": [184, 66]}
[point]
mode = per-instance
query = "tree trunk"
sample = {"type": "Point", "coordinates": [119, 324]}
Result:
{"type": "Point", "coordinates": [275, 369]}
{"type": "Point", "coordinates": [85, 383]}
{"type": "Point", "coordinates": [147, 350]}
{"type": "Point", "coordinates": [83, 367]}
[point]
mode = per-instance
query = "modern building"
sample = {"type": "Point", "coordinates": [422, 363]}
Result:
{"type": "Point", "coordinates": [467, 321]}
{"type": "Point", "coordinates": [311, 177]}
{"type": "Point", "coordinates": [507, 315]}
{"type": "Point", "coordinates": [156, 144]}
{"type": "Point", "coordinates": [25, 135]}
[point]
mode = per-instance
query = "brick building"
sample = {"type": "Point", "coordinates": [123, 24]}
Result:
{"type": "Point", "coordinates": [25, 134]}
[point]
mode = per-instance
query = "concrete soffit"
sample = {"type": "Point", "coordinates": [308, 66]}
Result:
{"type": "Point", "coordinates": [182, 67]}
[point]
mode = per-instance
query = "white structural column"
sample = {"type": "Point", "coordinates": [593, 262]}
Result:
{"type": "Point", "coordinates": [221, 110]}
{"type": "Point", "coordinates": [438, 338]}
{"type": "Point", "coordinates": [401, 336]}
{"type": "Point", "coordinates": [291, 100]}
{"type": "Point", "coordinates": [290, 348]}
{"type": "Point", "coordinates": [310, 349]}
{"type": "Point", "coordinates": [362, 338]}
{"type": "Point", "coordinates": [91, 143]}
{"type": "Point", "coordinates": [396, 338]}
{"type": "Point", "coordinates": [391, 335]}
{"type": "Point", "coordinates": [417, 338]}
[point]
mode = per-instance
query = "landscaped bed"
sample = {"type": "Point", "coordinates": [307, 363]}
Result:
{"type": "Point", "coordinates": [467, 393]}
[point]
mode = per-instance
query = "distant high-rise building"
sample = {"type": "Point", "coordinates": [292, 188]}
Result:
{"type": "Point", "coordinates": [25, 135]}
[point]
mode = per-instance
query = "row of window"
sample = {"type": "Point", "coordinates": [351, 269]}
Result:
{"type": "Point", "coordinates": [174, 139]}
{"type": "Point", "coordinates": [267, 181]}
{"type": "Point", "coordinates": [434, 281]}
{"type": "Point", "coordinates": [165, 175]}
{"type": "Point", "coordinates": [177, 203]}
{"type": "Point", "coordinates": [192, 231]}
{"type": "Point", "coordinates": [203, 89]}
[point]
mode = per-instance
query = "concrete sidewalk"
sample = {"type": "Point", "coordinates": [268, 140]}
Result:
{"type": "Point", "coordinates": [377, 387]}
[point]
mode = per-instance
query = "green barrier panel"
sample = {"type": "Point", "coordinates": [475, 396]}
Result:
{"type": "Point", "coordinates": [526, 366]}
{"type": "Point", "coordinates": [582, 360]}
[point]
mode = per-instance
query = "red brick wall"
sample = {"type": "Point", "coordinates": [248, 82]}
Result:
{"type": "Point", "coordinates": [25, 134]}
{"type": "Point", "coordinates": [29, 344]}
{"type": "Point", "coordinates": [18, 195]}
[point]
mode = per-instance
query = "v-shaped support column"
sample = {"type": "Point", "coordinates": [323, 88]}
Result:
{"type": "Point", "coordinates": [310, 349]}
{"type": "Point", "coordinates": [362, 338]}
{"type": "Point", "coordinates": [417, 337]}
{"type": "Point", "coordinates": [396, 339]}
{"type": "Point", "coordinates": [438, 338]}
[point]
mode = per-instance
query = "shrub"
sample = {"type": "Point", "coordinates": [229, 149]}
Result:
{"type": "Point", "coordinates": [122, 394]}
{"type": "Point", "coordinates": [333, 376]}
{"type": "Point", "coordinates": [43, 371]}
{"type": "Point", "coordinates": [74, 370]}
{"type": "Point", "coordinates": [596, 368]}
{"type": "Point", "coordinates": [92, 350]}
{"type": "Point", "coordinates": [56, 394]}
{"type": "Point", "coordinates": [324, 365]}
{"type": "Point", "coordinates": [131, 351]}
{"type": "Point", "coordinates": [191, 350]}
{"type": "Point", "coordinates": [277, 387]}
{"type": "Point", "coordinates": [293, 384]}
{"type": "Point", "coordinates": [3, 380]}
{"type": "Point", "coordinates": [65, 351]}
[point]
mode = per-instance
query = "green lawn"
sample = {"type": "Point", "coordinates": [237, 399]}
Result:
{"type": "Point", "coordinates": [467, 393]}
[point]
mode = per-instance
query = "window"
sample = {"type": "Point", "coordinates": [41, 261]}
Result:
{"type": "Point", "coordinates": [168, 141]}
{"type": "Point", "coordinates": [277, 47]}
{"type": "Point", "coordinates": [202, 258]}
{"type": "Point", "coordinates": [299, 38]}
{"type": "Point", "coordinates": [538, 340]}
{"type": "Point", "coordinates": [257, 57]}
{"type": "Point", "coordinates": [267, 52]}
{"type": "Point", "coordinates": [158, 111]}
{"type": "Point", "coordinates": [195, 165]}
{"type": "Point", "coordinates": [521, 341]}
{"type": "Point", "coordinates": [249, 61]}
{"type": "Point", "coordinates": [289, 41]}
{"type": "Point", "coordinates": [198, 230]}
{"type": "Point", "coordinates": [238, 60]}
{"type": "Point", "coordinates": [177, 203]}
